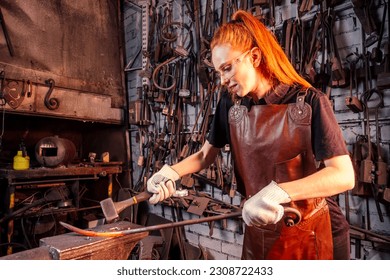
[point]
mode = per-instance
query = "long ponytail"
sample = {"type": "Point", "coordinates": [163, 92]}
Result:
{"type": "Point", "coordinates": [245, 32]}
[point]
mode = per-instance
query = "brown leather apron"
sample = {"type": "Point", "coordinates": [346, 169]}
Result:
{"type": "Point", "coordinates": [273, 142]}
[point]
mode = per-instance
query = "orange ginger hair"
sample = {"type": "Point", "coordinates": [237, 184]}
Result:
{"type": "Point", "coordinates": [245, 32]}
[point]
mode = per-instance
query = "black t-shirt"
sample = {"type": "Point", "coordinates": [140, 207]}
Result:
{"type": "Point", "coordinates": [327, 139]}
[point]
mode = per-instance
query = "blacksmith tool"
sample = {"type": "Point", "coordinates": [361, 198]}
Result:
{"type": "Point", "coordinates": [289, 220]}
{"type": "Point", "coordinates": [116, 233]}
{"type": "Point", "coordinates": [112, 209]}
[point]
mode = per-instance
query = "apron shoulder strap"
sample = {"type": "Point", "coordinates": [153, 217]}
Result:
{"type": "Point", "coordinates": [300, 111]}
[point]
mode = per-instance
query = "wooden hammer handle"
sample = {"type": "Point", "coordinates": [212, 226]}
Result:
{"type": "Point", "coordinates": [121, 205]}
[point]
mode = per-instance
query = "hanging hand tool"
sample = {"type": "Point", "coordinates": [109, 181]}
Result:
{"type": "Point", "coordinates": [195, 139]}
{"type": "Point", "coordinates": [362, 11]}
{"type": "Point", "coordinates": [202, 70]}
{"type": "Point", "coordinates": [157, 70]}
{"type": "Point", "coordinates": [368, 169]}
{"type": "Point", "coordinates": [184, 90]}
{"type": "Point", "coordinates": [219, 171]}
{"type": "Point", "coordinates": [338, 74]}
{"type": "Point", "coordinates": [353, 102]}
{"type": "Point", "coordinates": [359, 153]}
{"type": "Point", "coordinates": [139, 109]}
{"type": "Point", "coordinates": [376, 52]}
{"type": "Point", "coordinates": [305, 6]}
{"type": "Point", "coordinates": [367, 166]}
{"type": "Point", "coordinates": [381, 165]}
{"type": "Point", "coordinates": [383, 79]}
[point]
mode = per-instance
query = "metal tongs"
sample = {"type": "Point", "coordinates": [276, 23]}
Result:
{"type": "Point", "coordinates": [292, 217]}
{"type": "Point", "coordinates": [87, 232]}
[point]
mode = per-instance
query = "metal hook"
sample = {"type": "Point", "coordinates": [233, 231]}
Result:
{"type": "Point", "coordinates": [51, 103]}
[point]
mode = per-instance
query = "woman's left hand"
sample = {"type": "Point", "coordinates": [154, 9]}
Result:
{"type": "Point", "coordinates": [265, 207]}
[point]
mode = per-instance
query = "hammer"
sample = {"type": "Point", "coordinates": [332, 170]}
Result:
{"type": "Point", "coordinates": [112, 209]}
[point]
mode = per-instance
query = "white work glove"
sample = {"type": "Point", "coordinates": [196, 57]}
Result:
{"type": "Point", "coordinates": [264, 207]}
{"type": "Point", "coordinates": [162, 184]}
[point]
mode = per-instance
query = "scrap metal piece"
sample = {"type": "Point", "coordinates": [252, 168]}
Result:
{"type": "Point", "coordinates": [198, 205]}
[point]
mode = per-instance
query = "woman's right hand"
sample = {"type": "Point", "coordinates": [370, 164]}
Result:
{"type": "Point", "coordinates": [162, 184]}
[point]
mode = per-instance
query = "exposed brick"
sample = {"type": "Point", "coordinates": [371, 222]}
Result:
{"type": "Point", "coordinates": [156, 209]}
{"type": "Point", "coordinates": [224, 235]}
{"type": "Point", "coordinates": [210, 243]}
{"type": "Point", "coordinates": [188, 216]}
{"type": "Point", "coordinates": [200, 229]}
{"type": "Point", "coordinates": [239, 239]}
{"type": "Point", "coordinates": [232, 249]}
{"type": "Point", "coordinates": [193, 238]}
{"type": "Point", "coordinates": [233, 225]}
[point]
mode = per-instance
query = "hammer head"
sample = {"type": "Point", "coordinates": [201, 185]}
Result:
{"type": "Point", "coordinates": [109, 210]}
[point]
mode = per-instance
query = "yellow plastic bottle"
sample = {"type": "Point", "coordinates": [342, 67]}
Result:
{"type": "Point", "coordinates": [21, 162]}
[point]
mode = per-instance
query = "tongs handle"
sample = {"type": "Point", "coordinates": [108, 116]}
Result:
{"type": "Point", "coordinates": [292, 216]}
